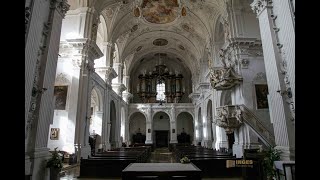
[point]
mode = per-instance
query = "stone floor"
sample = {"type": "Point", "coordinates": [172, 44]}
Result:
{"type": "Point", "coordinates": [161, 155]}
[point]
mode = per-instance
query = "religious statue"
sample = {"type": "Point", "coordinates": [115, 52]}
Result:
{"type": "Point", "coordinates": [238, 114]}
{"type": "Point", "coordinates": [214, 77]}
{"type": "Point", "coordinates": [223, 115]}
{"type": "Point", "coordinates": [226, 30]}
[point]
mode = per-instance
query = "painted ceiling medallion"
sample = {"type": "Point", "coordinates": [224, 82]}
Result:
{"type": "Point", "coordinates": [136, 12]}
{"type": "Point", "coordinates": [160, 11]}
{"type": "Point", "coordinates": [134, 28]}
{"type": "Point", "coordinates": [160, 42]}
{"type": "Point", "coordinates": [139, 48]}
{"type": "Point", "coordinates": [183, 11]}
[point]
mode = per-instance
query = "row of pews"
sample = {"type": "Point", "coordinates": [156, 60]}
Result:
{"type": "Point", "coordinates": [214, 163]}
{"type": "Point", "coordinates": [111, 163]}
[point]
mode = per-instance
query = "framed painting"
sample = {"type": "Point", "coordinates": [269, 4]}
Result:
{"type": "Point", "coordinates": [54, 133]}
{"type": "Point", "coordinates": [60, 95]}
{"type": "Point", "coordinates": [262, 96]}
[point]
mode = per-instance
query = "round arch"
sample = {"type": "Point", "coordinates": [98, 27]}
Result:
{"type": "Point", "coordinates": [136, 111]}
{"type": "Point", "coordinates": [96, 110]}
{"type": "Point", "coordinates": [155, 111]}
{"type": "Point", "coordinates": [161, 129]}
{"type": "Point", "coordinates": [199, 130]}
{"type": "Point", "coordinates": [113, 124]}
{"type": "Point", "coordinates": [185, 128]}
{"type": "Point", "coordinates": [123, 125]}
{"type": "Point", "coordinates": [137, 128]}
{"type": "Point", "coordinates": [210, 119]}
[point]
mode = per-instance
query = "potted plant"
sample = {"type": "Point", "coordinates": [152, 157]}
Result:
{"type": "Point", "coordinates": [55, 164]}
{"type": "Point", "coordinates": [270, 156]}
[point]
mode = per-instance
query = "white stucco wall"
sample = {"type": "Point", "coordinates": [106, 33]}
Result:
{"type": "Point", "coordinates": [62, 118]}
{"type": "Point", "coordinates": [251, 24]}
{"type": "Point", "coordinates": [250, 78]}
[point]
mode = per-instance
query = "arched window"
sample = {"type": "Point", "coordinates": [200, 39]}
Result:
{"type": "Point", "coordinates": [160, 91]}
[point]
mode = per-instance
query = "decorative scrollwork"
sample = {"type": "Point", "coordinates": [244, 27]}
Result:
{"type": "Point", "coordinates": [229, 117]}
{"type": "Point", "coordinates": [224, 78]}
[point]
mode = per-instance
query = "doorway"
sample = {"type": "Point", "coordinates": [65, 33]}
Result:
{"type": "Point", "coordinates": [230, 140]}
{"type": "Point", "coordinates": [162, 138]}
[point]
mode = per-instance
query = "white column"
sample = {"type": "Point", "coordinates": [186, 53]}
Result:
{"type": "Point", "coordinates": [173, 126]}
{"type": "Point", "coordinates": [73, 100]}
{"type": "Point", "coordinates": [196, 135]}
{"type": "Point", "coordinates": [149, 129]}
{"type": "Point", "coordinates": [118, 68]}
{"type": "Point", "coordinates": [126, 94]}
{"type": "Point", "coordinates": [107, 119]}
{"type": "Point", "coordinates": [222, 141]}
{"type": "Point", "coordinates": [109, 53]}
{"type": "Point", "coordinates": [245, 138]}
{"type": "Point", "coordinates": [88, 52]}
{"type": "Point", "coordinates": [126, 127]}
{"type": "Point", "coordinates": [281, 115]}
{"type": "Point", "coordinates": [208, 136]}
{"type": "Point", "coordinates": [118, 124]}
{"type": "Point", "coordinates": [117, 84]}
{"type": "Point", "coordinates": [214, 136]}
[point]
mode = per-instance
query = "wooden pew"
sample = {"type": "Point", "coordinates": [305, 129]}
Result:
{"type": "Point", "coordinates": [111, 163]}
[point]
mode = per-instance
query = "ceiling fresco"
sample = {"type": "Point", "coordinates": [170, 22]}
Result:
{"type": "Point", "coordinates": [160, 11]}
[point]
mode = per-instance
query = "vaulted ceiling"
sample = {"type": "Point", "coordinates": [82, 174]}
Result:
{"type": "Point", "coordinates": [189, 28]}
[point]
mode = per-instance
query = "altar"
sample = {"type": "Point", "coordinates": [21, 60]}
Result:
{"type": "Point", "coordinates": [161, 171]}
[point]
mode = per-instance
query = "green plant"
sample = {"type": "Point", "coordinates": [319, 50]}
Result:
{"type": "Point", "coordinates": [185, 159]}
{"type": "Point", "coordinates": [271, 155]}
{"type": "Point", "coordinates": [55, 161]}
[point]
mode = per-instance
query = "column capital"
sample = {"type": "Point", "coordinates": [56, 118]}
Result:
{"type": "Point", "coordinates": [259, 5]}
{"type": "Point", "coordinates": [127, 96]}
{"type": "Point", "coordinates": [194, 97]}
{"type": "Point", "coordinates": [118, 88]}
{"type": "Point", "coordinates": [117, 64]}
{"type": "Point", "coordinates": [110, 74]}
{"type": "Point", "coordinates": [62, 6]}
{"type": "Point", "coordinates": [108, 44]}
{"type": "Point", "coordinates": [88, 47]}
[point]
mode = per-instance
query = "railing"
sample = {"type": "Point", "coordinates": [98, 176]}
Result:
{"type": "Point", "coordinates": [253, 121]}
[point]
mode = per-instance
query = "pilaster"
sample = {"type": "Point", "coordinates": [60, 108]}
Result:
{"type": "Point", "coordinates": [221, 141]}
{"type": "Point", "coordinates": [88, 51]}
{"type": "Point", "coordinates": [118, 69]}
{"type": "Point", "coordinates": [149, 126]}
{"type": "Point", "coordinates": [173, 126]}
{"type": "Point", "coordinates": [109, 53]}
{"type": "Point", "coordinates": [278, 95]}
{"type": "Point", "coordinates": [42, 45]}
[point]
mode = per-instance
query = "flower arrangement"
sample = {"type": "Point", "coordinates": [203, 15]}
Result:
{"type": "Point", "coordinates": [185, 160]}
{"type": "Point", "coordinates": [56, 160]}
